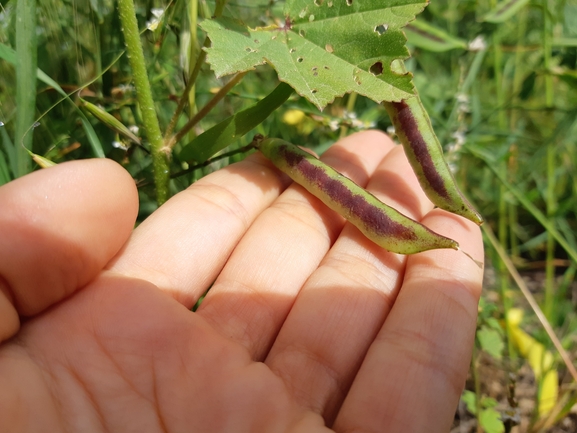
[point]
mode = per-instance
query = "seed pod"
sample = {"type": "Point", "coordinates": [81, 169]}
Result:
{"type": "Point", "coordinates": [382, 224]}
{"type": "Point", "coordinates": [414, 129]}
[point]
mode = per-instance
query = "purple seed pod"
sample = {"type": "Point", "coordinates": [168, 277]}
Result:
{"type": "Point", "coordinates": [414, 129]}
{"type": "Point", "coordinates": [382, 224]}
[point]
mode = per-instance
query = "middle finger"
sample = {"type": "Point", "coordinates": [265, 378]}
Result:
{"type": "Point", "coordinates": [255, 291]}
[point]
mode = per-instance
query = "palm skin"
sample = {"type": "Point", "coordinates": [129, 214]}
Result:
{"type": "Point", "coordinates": [308, 326]}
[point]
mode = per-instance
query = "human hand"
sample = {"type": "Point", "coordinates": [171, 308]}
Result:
{"type": "Point", "coordinates": [307, 323]}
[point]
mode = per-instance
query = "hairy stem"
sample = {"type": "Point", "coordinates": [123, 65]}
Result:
{"type": "Point", "coordinates": [160, 155]}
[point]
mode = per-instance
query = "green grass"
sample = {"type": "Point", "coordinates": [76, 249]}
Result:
{"type": "Point", "coordinates": [506, 115]}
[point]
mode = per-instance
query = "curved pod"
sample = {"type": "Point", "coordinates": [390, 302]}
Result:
{"type": "Point", "coordinates": [414, 129]}
{"type": "Point", "coordinates": [382, 224]}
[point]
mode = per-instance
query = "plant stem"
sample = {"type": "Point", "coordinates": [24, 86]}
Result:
{"type": "Point", "coordinates": [193, 40]}
{"type": "Point", "coordinates": [551, 204]}
{"type": "Point", "coordinates": [352, 99]}
{"type": "Point", "coordinates": [160, 154]}
{"type": "Point", "coordinates": [206, 163]}
{"type": "Point", "coordinates": [503, 222]}
{"type": "Point", "coordinates": [189, 85]}
{"type": "Point", "coordinates": [219, 8]}
{"type": "Point", "coordinates": [547, 55]}
{"type": "Point", "coordinates": [206, 109]}
{"type": "Point", "coordinates": [549, 306]}
{"type": "Point", "coordinates": [513, 118]}
{"type": "Point", "coordinates": [26, 49]}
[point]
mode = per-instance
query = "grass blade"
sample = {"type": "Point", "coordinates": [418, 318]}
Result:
{"type": "Point", "coordinates": [504, 11]}
{"type": "Point", "coordinates": [4, 170]}
{"type": "Point", "coordinates": [26, 47]}
{"type": "Point", "coordinates": [431, 38]}
{"type": "Point", "coordinates": [110, 121]}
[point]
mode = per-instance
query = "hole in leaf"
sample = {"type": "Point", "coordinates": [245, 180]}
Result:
{"type": "Point", "coordinates": [315, 71]}
{"type": "Point", "coordinates": [376, 68]}
{"type": "Point", "coordinates": [302, 13]}
{"type": "Point", "coordinates": [349, 2]}
{"type": "Point", "coordinates": [319, 2]}
{"type": "Point", "coordinates": [314, 91]}
{"type": "Point", "coordinates": [381, 28]}
{"type": "Point", "coordinates": [292, 50]}
{"type": "Point", "coordinates": [301, 33]}
{"type": "Point", "coordinates": [300, 60]}
{"type": "Point", "coordinates": [256, 41]}
{"type": "Point", "coordinates": [329, 48]}
{"type": "Point", "coordinates": [326, 67]}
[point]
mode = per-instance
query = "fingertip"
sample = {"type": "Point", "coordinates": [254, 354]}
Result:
{"type": "Point", "coordinates": [61, 225]}
{"type": "Point", "coordinates": [462, 265]}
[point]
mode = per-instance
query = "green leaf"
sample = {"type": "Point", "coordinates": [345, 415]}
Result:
{"type": "Point", "coordinates": [491, 341]}
{"type": "Point", "coordinates": [324, 49]}
{"type": "Point", "coordinates": [431, 38]}
{"type": "Point", "coordinates": [488, 402]}
{"type": "Point", "coordinates": [470, 400]}
{"type": "Point", "coordinates": [504, 10]}
{"type": "Point", "coordinates": [226, 132]}
{"type": "Point", "coordinates": [491, 422]}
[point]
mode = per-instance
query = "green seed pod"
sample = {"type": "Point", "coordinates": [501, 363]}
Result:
{"type": "Point", "coordinates": [382, 224]}
{"type": "Point", "coordinates": [414, 129]}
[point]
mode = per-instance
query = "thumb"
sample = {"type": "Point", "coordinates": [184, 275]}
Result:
{"type": "Point", "coordinates": [58, 228]}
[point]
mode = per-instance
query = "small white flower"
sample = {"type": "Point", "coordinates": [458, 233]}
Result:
{"type": "Point", "coordinates": [462, 98]}
{"type": "Point", "coordinates": [391, 130]}
{"type": "Point", "coordinates": [334, 125]}
{"type": "Point", "coordinates": [463, 103]}
{"type": "Point", "coordinates": [359, 124]}
{"type": "Point", "coordinates": [152, 24]}
{"type": "Point", "coordinates": [478, 44]}
{"type": "Point", "coordinates": [119, 145]}
{"type": "Point", "coordinates": [350, 115]}
{"type": "Point", "coordinates": [1, 123]}
{"type": "Point", "coordinates": [460, 138]}
{"type": "Point", "coordinates": [134, 129]}
{"type": "Point", "coordinates": [125, 88]}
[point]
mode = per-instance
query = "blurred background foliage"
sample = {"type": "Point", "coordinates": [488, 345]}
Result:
{"type": "Point", "coordinates": [499, 80]}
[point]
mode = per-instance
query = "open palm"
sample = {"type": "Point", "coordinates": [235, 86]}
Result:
{"type": "Point", "coordinates": [307, 326]}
